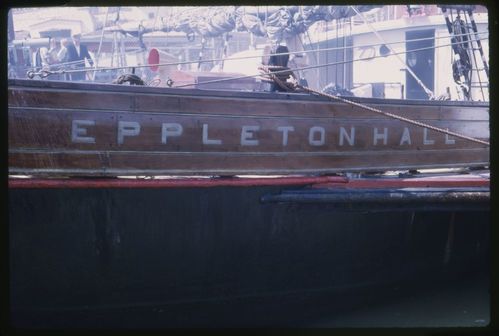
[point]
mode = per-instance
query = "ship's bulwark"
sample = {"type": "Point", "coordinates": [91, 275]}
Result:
{"type": "Point", "coordinates": [112, 130]}
{"type": "Point", "coordinates": [77, 249]}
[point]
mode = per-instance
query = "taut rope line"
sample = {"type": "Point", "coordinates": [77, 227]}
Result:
{"type": "Point", "coordinates": [291, 86]}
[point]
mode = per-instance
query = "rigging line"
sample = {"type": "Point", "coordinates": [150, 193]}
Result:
{"type": "Point", "coordinates": [408, 68]}
{"type": "Point", "coordinates": [156, 17]}
{"type": "Point", "coordinates": [336, 56]}
{"type": "Point", "coordinates": [474, 56]}
{"type": "Point", "coordinates": [317, 66]}
{"type": "Point", "coordinates": [46, 72]}
{"type": "Point", "coordinates": [475, 30]}
{"type": "Point", "coordinates": [313, 51]}
{"type": "Point", "coordinates": [300, 38]}
{"type": "Point", "coordinates": [100, 44]}
{"type": "Point", "coordinates": [327, 54]}
{"type": "Point", "coordinates": [344, 84]}
{"type": "Point", "coordinates": [314, 54]}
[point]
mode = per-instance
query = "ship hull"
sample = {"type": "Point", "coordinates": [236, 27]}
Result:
{"type": "Point", "coordinates": [59, 128]}
{"type": "Point", "coordinates": [82, 250]}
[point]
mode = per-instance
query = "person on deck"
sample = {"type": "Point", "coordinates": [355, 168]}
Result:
{"type": "Point", "coordinates": [36, 58]}
{"type": "Point", "coordinates": [278, 63]}
{"type": "Point", "coordinates": [78, 53]}
{"type": "Point", "coordinates": [62, 54]}
{"type": "Point", "coordinates": [52, 58]}
{"type": "Point", "coordinates": [62, 57]}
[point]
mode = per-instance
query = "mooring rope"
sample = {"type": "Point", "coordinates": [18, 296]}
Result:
{"type": "Point", "coordinates": [292, 86]}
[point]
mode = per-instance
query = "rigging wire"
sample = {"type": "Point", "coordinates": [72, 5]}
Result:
{"type": "Point", "coordinates": [336, 56]}
{"type": "Point", "coordinates": [316, 66]}
{"type": "Point", "coordinates": [477, 40]}
{"type": "Point", "coordinates": [313, 51]}
{"type": "Point", "coordinates": [327, 53]}
{"type": "Point", "coordinates": [314, 54]}
{"type": "Point", "coordinates": [474, 57]}
{"type": "Point", "coordinates": [100, 43]}
{"type": "Point", "coordinates": [408, 68]}
{"type": "Point", "coordinates": [45, 73]}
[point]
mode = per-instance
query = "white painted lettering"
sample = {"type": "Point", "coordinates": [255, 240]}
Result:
{"type": "Point", "coordinates": [285, 130]}
{"type": "Point", "coordinates": [406, 137]}
{"type": "Point", "coordinates": [127, 128]}
{"type": "Point", "coordinates": [322, 136]}
{"type": "Point", "coordinates": [378, 136]}
{"type": "Point", "coordinates": [247, 133]}
{"type": "Point", "coordinates": [77, 132]}
{"type": "Point", "coordinates": [344, 135]}
{"type": "Point", "coordinates": [207, 141]}
{"type": "Point", "coordinates": [170, 129]}
{"type": "Point", "coordinates": [427, 141]}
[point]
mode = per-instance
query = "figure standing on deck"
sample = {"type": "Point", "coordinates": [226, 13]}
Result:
{"type": "Point", "coordinates": [38, 61]}
{"type": "Point", "coordinates": [62, 56]}
{"type": "Point", "coordinates": [279, 63]}
{"type": "Point", "coordinates": [77, 53]}
{"type": "Point", "coordinates": [53, 58]}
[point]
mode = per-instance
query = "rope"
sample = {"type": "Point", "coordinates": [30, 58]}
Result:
{"type": "Point", "coordinates": [394, 116]}
{"type": "Point", "coordinates": [290, 86]}
{"type": "Point", "coordinates": [269, 75]}
{"type": "Point", "coordinates": [130, 78]}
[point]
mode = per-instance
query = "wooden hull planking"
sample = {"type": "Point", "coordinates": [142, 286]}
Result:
{"type": "Point", "coordinates": [58, 128]}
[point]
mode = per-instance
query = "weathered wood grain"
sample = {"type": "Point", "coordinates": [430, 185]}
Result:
{"type": "Point", "coordinates": [77, 129]}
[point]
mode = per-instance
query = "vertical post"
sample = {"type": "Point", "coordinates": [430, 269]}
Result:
{"type": "Point", "coordinates": [122, 50]}
{"type": "Point", "coordinates": [96, 63]}
{"type": "Point", "coordinates": [203, 42]}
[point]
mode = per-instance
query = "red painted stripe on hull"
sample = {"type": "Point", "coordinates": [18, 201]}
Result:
{"type": "Point", "coordinates": [316, 182]}
{"type": "Point", "coordinates": [172, 183]}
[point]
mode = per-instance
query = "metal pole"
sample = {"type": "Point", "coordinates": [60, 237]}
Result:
{"type": "Point", "coordinates": [96, 64]}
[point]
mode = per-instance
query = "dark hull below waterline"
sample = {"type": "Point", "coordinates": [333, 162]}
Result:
{"type": "Point", "coordinates": [61, 128]}
{"type": "Point", "coordinates": [88, 250]}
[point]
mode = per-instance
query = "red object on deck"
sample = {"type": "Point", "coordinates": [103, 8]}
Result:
{"type": "Point", "coordinates": [315, 182]}
{"type": "Point", "coordinates": [153, 59]}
